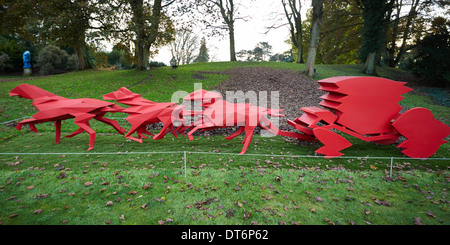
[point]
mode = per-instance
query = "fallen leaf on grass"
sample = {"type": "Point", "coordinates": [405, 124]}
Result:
{"type": "Point", "coordinates": [88, 183]}
{"type": "Point", "coordinates": [39, 196]}
{"type": "Point", "coordinates": [417, 221]}
{"type": "Point", "coordinates": [230, 213]}
{"type": "Point", "coordinates": [429, 213]}
{"type": "Point", "coordinates": [37, 211]}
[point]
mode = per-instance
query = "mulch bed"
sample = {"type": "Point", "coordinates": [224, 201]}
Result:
{"type": "Point", "coordinates": [295, 91]}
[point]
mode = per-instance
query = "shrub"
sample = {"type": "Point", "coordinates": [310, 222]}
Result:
{"type": "Point", "coordinates": [156, 64]}
{"type": "Point", "coordinates": [11, 51]}
{"type": "Point", "coordinates": [52, 59]}
{"type": "Point", "coordinates": [4, 58]}
{"type": "Point", "coordinates": [118, 59]}
{"type": "Point", "coordinates": [100, 59]}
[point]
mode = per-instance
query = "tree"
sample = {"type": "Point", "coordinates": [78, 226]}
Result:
{"type": "Point", "coordinates": [292, 18]}
{"type": "Point", "coordinates": [314, 41]}
{"type": "Point", "coordinates": [295, 25]}
{"type": "Point", "coordinates": [340, 33]}
{"type": "Point", "coordinates": [225, 11]}
{"type": "Point", "coordinates": [404, 28]}
{"type": "Point", "coordinates": [63, 22]}
{"type": "Point", "coordinates": [183, 46]}
{"type": "Point", "coordinates": [146, 21]}
{"type": "Point", "coordinates": [265, 50]}
{"type": "Point", "coordinates": [261, 52]}
{"type": "Point", "coordinates": [376, 15]}
{"type": "Point", "coordinates": [431, 59]}
{"type": "Point", "coordinates": [203, 55]}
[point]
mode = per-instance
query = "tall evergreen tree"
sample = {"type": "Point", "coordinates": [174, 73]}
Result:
{"type": "Point", "coordinates": [203, 55]}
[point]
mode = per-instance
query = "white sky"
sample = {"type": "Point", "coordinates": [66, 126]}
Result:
{"type": "Point", "coordinates": [247, 33]}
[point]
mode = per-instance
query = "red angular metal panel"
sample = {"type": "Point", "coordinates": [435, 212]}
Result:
{"type": "Point", "coordinates": [367, 104]}
{"type": "Point", "coordinates": [56, 108]}
{"type": "Point", "coordinates": [143, 112]}
{"type": "Point", "coordinates": [423, 132]}
{"type": "Point", "coordinates": [333, 142]}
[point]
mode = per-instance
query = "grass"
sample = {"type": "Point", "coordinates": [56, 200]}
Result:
{"type": "Point", "coordinates": [147, 188]}
{"type": "Point", "coordinates": [221, 187]}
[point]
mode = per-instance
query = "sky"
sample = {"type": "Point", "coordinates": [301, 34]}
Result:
{"type": "Point", "coordinates": [247, 33]}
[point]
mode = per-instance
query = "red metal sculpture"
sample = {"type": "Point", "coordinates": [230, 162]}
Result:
{"type": "Point", "coordinates": [367, 108]}
{"type": "Point", "coordinates": [363, 107]}
{"type": "Point", "coordinates": [56, 108]}
{"type": "Point", "coordinates": [219, 113]}
{"type": "Point", "coordinates": [143, 112]}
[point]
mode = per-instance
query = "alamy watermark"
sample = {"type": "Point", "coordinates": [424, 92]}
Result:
{"type": "Point", "coordinates": [209, 109]}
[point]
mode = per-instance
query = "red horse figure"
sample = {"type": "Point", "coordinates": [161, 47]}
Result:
{"type": "Point", "coordinates": [56, 108]}
{"type": "Point", "coordinates": [219, 113]}
{"type": "Point", "coordinates": [142, 112]}
{"type": "Point", "coordinates": [367, 108]}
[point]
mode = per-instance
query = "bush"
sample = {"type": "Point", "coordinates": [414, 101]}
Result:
{"type": "Point", "coordinates": [11, 51]}
{"type": "Point", "coordinates": [118, 59]}
{"type": "Point", "coordinates": [4, 58]}
{"type": "Point", "coordinates": [52, 60]}
{"type": "Point", "coordinates": [100, 59]}
{"type": "Point", "coordinates": [156, 64]}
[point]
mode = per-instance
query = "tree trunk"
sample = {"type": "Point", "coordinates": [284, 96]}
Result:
{"type": "Point", "coordinates": [140, 55]}
{"type": "Point", "coordinates": [232, 45]}
{"type": "Point", "coordinates": [146, 56]}
{"type": "Point", "coordinates": [80, 56]}
{"type": "Point", "coordinates": [369, 67]}
{"type": "Point", "coordinates": [300, 47]}
{"type": "Point", "coordinates": [299, 56]}
{"type": "Point", "coordinates": [314, 41]}
{"type": "Point", "coordinates": [83, 60]}
{"type": "Point", "coordinates": [139, 22]}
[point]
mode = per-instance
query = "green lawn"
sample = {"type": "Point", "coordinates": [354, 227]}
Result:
{"type": "Point", "coordinates": [132, 184]}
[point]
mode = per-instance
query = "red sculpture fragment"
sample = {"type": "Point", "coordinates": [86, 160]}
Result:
{"type": "Point", "coordinates": [143, 112]}
{"type": "Point", "coordinates": [367, 108]}
{"type": "Point", "coordinates": [56, 108]}
{"type": "Point", "coordinates": [219, 113]}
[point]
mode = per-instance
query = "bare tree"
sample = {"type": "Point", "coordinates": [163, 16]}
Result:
{"type": "Point", "coordinates": [223, 11]}
{"type": "Point", "coordinates": [183, 47]}
{"type": "Point", "coordinates": [294, 18]}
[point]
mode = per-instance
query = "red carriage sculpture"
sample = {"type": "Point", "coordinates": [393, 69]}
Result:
{"type": "Point", "coordinates": [367, 108]}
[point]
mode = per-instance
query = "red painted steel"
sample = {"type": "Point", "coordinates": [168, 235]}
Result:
{"type": "Point", "coordinates": [143, 112]}
{"type": "Point", "coordinates": [367, 108]}
{"type": "Point", "coordinates": [56, 108]}
{"type": "Point", "coordinates": [219, 113]}
{"type": "Point", "coordinates": [363, 107]}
